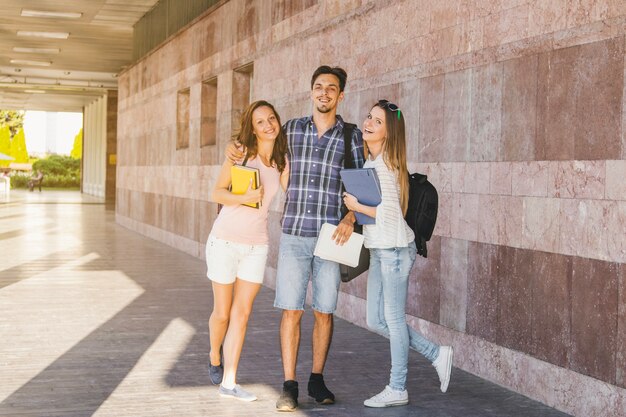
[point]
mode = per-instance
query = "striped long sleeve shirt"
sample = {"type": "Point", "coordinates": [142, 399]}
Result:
{"type": "Point", "coordinates": [390, 230]}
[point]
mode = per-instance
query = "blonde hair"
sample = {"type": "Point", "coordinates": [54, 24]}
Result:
{"type": "Point", "coordinates": [394, 150]}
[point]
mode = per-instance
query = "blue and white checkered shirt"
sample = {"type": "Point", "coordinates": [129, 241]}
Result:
{"type": "Point", "coordinates": [314, 191]}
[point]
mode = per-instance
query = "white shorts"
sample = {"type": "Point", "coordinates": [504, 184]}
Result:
{"type": "Point", "coordinates": [226, 261]}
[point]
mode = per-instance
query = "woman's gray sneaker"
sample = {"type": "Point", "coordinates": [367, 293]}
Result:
{"type": "Point", "coordinates": [237, 392]}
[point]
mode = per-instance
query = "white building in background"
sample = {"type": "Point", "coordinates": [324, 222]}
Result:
{"type": "Point", "coordinates": [51, 132]}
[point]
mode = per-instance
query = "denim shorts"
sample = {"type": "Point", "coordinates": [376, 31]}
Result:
{"type": "Point", "coordinates": [228, 260]}
{"type": "Point", "coordinates": [296, 265]}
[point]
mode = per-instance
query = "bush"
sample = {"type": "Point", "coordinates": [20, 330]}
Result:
{"type": "Point", "coordinates": [58, 165]}
{"type": "Point", "coordinates": [19, 180]}
{"type": "Point", "coordinates": [59, 172]}
{"type": "Point", "coordinates": [61, 181]}
{"type": "Point", "coordinates": [50, 181]}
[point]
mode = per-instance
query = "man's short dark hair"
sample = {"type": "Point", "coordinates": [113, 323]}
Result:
{"type": "Point", "coordinates": [336, 71]}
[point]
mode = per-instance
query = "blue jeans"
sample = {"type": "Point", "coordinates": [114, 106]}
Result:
{"type": "Point", "coordinates": [387, 285]}
{"type": "Point", "coordinates": [296, 265]}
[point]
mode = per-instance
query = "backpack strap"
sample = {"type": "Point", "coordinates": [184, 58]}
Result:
{"type": "Point", "coordinates": [348, 162]}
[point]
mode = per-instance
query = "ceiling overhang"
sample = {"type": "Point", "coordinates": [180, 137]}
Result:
{"type": "Point", "coordinates": [57, 74]}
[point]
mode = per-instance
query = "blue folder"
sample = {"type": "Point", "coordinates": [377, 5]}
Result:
{"type": "Point", "coordinates": [364, 185]}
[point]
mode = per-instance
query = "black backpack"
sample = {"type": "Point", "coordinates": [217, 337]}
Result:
{"type": "Point", "coordinates": [421, 214]}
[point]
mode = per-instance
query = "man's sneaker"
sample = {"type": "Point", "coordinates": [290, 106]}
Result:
{"type": "Point", "coordinates": [288, 400]}
{"type": "Point", "coordinates": [237, 393]}
{"type": "Point", "coordinates": [388, 398]}
{"type": "Point", "coordinates": [443, 365]}
{"type": "Point", "coordinates": [318, 390]}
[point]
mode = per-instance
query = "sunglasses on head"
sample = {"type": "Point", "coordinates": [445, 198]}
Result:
{"type": "Point", "coordinates": [386, 104]}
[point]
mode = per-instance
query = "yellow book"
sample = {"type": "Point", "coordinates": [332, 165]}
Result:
{"type": "Point", "coordinates": [240, 177]}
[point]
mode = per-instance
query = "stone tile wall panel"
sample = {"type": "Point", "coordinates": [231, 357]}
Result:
{"type": "Point", "coordinates": [453, 285]}
{"type": "Point", "coordinates": [431, 119]}
{"type": "Point", "coordinates": [457, 115]}
{"type": "Point", "coordinates": [530, 179]}
{"type": "Point", "coordinates": [515, 301]}
{"type": "Point", "coordinates": [594, 318]}
{"type": "Point", "coordinates": [600, 82]}
{"type": "Point", "coordinates": [541, 223]}
{"type": "Point", "coordinates": [486, 115]}
{"type": "Point", "coordinates": [519, 109]}
{"type": "Point", "coordinates": [482, 291]}
{"type": "Point", "coordinates": [424, 284]}
{"type": "Point", "coordinates": [550, 277]}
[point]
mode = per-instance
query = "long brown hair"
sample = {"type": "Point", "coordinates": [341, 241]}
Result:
{"type": "Point", "coordinates": [394, 151]}
{"type": "Point", "coordinates": [246, 136]}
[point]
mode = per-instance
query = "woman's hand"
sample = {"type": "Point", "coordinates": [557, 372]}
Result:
{"type": "Point", "coordinates": [351, 202]}
{"type": "Point", "coordinates": [252, 196]}
{"type": "Point", "coordinates": [353, 205]}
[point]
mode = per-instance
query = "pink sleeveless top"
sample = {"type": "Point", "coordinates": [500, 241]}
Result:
{"type": "Point", "coordinates": [247, 225]}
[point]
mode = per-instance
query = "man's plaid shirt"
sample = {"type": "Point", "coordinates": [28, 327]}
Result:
{"type": "Point", "coordinates": [314, 191]}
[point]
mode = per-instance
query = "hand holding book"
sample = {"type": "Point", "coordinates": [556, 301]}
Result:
{"type": "Point", "coordinates": [353, 204]}
{"type": "Point", "coordinates": [362, 192]}
{"type": "Point", "coordinates": [252, 196]}
{"type": "Point", "coordinates": [246, 182]}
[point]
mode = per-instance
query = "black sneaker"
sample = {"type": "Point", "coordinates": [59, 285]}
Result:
{"type": "Point", "coordinates": [318, 390]}
{"type": "Point", "coordinates": [288, 400]}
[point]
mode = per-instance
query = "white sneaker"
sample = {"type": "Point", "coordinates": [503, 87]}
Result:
{"type": "Point", "coordinates": [443, 365]}
{"type": "Point", "coordinates": [237, 393]}
{"type": "Point", "coordinates": [388, 398]}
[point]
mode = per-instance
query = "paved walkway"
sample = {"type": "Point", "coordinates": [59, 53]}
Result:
{"type": "Point", "coordinates": [96, 320]}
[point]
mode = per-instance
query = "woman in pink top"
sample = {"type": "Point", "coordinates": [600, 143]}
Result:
{"type": "Point", "coordinates": [237, 248]}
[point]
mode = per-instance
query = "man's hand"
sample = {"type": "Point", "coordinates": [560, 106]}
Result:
{"type": "Point", "coordinates": [344, 229]}
{"type": "Point", "coordinates": [233, 153]}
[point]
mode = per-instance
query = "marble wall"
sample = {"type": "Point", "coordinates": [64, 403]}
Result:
{"type": "Point", "coordinates": [516, 110]}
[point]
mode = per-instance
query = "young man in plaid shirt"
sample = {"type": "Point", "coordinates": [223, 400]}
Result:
{"type": "Point", "coordinates": [316, 153]}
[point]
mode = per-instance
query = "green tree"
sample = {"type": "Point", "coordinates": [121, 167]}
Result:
{"type": "Point", "coordinates": [5, 144]}
{"type": "Point", "coordinates": [14, 119]}
{"type": "Point", "coordinates": [77, 149]}
{"type": "Point", "coordinates": [18, 147]}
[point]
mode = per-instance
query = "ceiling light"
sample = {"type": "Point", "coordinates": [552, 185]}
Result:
{"type": "Point", "coordinates": [35, 91]}
{"type": "Point", "coordinates": [53, 35]}
{"type": "Point", "coordinates": [28, 62]}
{"type": "Point", "coordinates": [36, 50]}
{"type": "Point", "coordinates": [41, 13]}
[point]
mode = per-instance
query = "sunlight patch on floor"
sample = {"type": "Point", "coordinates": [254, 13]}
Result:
{"type": "Point", "coordinates": [145, 384]}
{"type": "Point", "coordinates": [44, 316]}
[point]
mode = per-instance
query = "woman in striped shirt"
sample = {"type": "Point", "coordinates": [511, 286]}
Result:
{"type": "Point", "coordinates": [392, 254]}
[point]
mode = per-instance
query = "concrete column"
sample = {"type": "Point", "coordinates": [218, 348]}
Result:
{"type": "Point", "coordinates": [94, 147]}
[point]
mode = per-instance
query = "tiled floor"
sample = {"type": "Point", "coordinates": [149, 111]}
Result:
{"type": "Point", "coordinates": [98, 320]}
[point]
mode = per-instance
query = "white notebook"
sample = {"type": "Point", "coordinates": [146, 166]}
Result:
{"type": "Point", "coordinates": [347, 254]}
